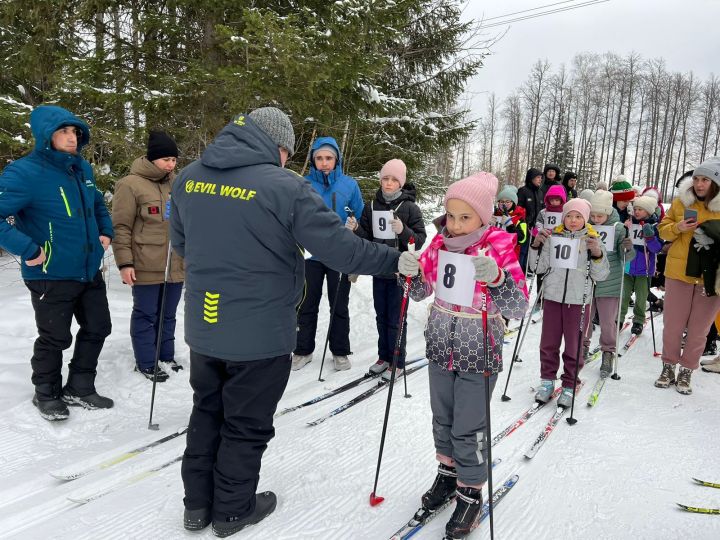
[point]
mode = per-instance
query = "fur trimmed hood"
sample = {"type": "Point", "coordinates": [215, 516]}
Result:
{"type": "Point", "coordinates": [688, 198]}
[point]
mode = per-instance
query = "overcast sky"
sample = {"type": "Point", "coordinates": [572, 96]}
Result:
{"type": "Point", "coordinates": [686, 33]}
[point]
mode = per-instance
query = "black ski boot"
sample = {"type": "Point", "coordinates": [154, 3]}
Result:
{"type": "Point", "coordinates": [149, 373]}
{"type": "Point", "coordinates": [52, 410]}
{"type": "Point", "coordinates": [196, 520]}
{"type": "Point", "coordinates": [466, 516]}
{"type": "Point", "coordinates": [442, 490]}
{"type": "Point", "coordinates": [89, 401]}
{"type": "Point", "coordinates": [265, 504]}
{"type": "Point", "coordinates": [636, 329]}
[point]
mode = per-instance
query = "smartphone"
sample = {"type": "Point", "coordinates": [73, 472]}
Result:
{"type": "Point", "coordinates": [690, 214]}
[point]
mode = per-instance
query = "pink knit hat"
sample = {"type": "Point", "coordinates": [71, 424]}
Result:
{"type": "Point", "coordinates": [579, 205]}
{"type": "Point", "coordinates": [477, 190]}
{"type": "Point", "coordinates": [395, 168]}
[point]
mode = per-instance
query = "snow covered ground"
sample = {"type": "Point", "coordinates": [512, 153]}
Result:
{"type": "Point", "coordinates": [614, 475]}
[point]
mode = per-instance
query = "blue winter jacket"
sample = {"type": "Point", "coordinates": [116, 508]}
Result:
{"type": "Point", "coordinates": [337, 189]}
{"type": "Point", "coordinates": [56, 205]}
{"type": "Point", "coordinates": [638, 267]}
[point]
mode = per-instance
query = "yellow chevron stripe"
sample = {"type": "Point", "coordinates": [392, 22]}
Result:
{"type": "Point", "coordinates": [210, 314]}
{"type": "Point", "coordinates": [209, 320]}
{"type": "Point", "coordinates": [211, 302]}
{"type": "Point", "coordinates": [210, 308]}
{"type": "Point", "coordinates": [212, 296]}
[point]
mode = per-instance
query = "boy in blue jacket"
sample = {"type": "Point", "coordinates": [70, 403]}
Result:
{"type": "Point", "coordinates": [62, 229]}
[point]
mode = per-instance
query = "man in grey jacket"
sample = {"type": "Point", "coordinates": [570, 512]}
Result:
{"type": "Point", "coordinates": [241, 222]}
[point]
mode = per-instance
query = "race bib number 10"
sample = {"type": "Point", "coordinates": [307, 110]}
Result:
{"type": "Point", "coordinates": [381, 224]}
{"type": "Point", "coordinates": [455, 278]}
{"type": "Point", "coordinates": [564, 252]}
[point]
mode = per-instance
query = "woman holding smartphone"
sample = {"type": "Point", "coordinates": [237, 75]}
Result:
{"type": "Point", "coordinates": [693, 226]}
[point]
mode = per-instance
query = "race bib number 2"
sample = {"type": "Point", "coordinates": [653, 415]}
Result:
{"type": "Point", "coordinates": [607, 236]}
{"type": "Point", "coordinates": [455, 278]}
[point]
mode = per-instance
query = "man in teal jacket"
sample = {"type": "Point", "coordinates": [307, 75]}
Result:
{"type": "Point", "coordinates": [61, 231]}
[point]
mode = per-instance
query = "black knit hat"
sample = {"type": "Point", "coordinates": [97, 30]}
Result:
{"type": "Point", "coordinates": [161, 145]}
{"type": "Point", "coordinates": [569, 175]}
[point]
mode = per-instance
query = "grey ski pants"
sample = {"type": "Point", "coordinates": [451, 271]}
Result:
{"type": "Point", "coordinates": [457, 400]}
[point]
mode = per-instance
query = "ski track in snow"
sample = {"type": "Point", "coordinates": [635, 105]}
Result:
{"type": "Point", "coordinates": [616, 474]}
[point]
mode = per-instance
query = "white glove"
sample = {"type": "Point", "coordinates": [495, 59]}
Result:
{"type": "Point", "coordinates": [397, 226]}
{"type": "Point", "coordinates": [351, 223]}
{"type": "Point", "coordinates": [408, 265]}
{"type": "Point", "coordinates": [703, 241]}
{"type": "Point", "coordinates": [486, 269]}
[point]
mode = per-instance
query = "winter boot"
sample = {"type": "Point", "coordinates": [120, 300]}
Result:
{"type": "Point", "coordinates": [378, 367]}
{"type": "Point", "coordinates": [636, 329]}
{"type": "Point", "coordinates": [265, 504]}
{"type": "Point", "coordinates": [466, 516]}
{"type": "Point", "coordinates": [606, 365]}
{"type": "Point", "coordinates": [52, 410]}
{"type": "Point", "coordinates": [711, 366]}
{"type": "Point", "coordinates": [667, 377]}
{"type": "Point", "coordinates": [710, 348]}
{"type": "Point", "coordinates": [89, 401]}
{"type": "Point", "coordinates": [442, 490]}
{"type": "Point", "coordinates": [387, 373]}
{"type": "Point", "coordinates": [172, 364]}
{"type": "Point", "coordinates": [566, 397]}
{"type": "Point", "coordinates": [683, 381]}
{"type": "Point", "coordinates": [547, 387]}
{"type": "Point", "coordinates": [300, 360]}
{"type": "Point", "coordinates": [341, 362]}
{"type": "Point", "coordinates": [149, 373]}
{"type": "Point", "coordinates": [196, 520]}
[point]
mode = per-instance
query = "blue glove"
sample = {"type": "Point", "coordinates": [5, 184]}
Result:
{"type": "Point", "coordinates": [648, 231]}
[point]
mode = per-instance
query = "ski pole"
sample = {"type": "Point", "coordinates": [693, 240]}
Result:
{"type": "Point", "coordinates": [521, 335]}
{"type": "Point", "coordinates": [374, 499]}
{"type": "Point", "coordinates": [572, 420]}
{"type": "Point", "coordinates": [488, 430]}
{"type": "Point", "coordinates": [618, 324]}
{"type": "Point", "coordinates": [158, 339]}
{"type": "Point", "coordinates": [350, 213]}
{"type": "Point", "coordinates": [652, 319]}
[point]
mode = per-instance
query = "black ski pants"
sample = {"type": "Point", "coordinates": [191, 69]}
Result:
{"type": "Point", "coordinates": [56, 302]}
{"type": "Point", "coordinates": [315, 275]}
{"type": "Point", "coordinates": [230, 426]}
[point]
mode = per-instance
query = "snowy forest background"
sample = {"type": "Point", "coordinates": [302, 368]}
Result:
{"type": "Point", "coordinates": [386, 78]}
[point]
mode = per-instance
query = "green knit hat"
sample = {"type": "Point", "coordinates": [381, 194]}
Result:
{"type": "Point", "coordinates": [622, 189]}
{"type": "Point", "coordinates": [508, 193]}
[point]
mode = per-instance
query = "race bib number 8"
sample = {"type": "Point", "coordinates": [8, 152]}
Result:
{"type": "Point", "coordinates": [552, 219]}
{"type": "Point", "coordinates": [636, 235]}
{"type": "Point", "coordinates": [381, 224]}
{"type": "Point", "coordinates": [455, 278]}
{"type": "Point", "coordinates": [607, 236]}
{"type": "Point", "coordinates": [564, 252]}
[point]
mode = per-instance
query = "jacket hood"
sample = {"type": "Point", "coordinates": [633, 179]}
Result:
{"type": "Point", "coordinates": [47, 119]}
{"type": "Point", "coordinates": [408, 194]}
{"type": "Point", "coordinates": [322, 141]}
{"type": "Point", "coordinates": [147, 169]}
{"type": "Point", "coordinates": [555, 191]}
{"type": "Point", "coordinates": [532, 173]}
{"type": "Point", "coordinates": [687, 196]}
{"type": "Point", "coordinates": [613, 218]}
{"type": "Point", "coordinates": [241, 143]}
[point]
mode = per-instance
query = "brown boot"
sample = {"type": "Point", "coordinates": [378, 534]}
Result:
{"type": "Point", "coordinates": [683, 381]}
{"type": "Point", "coordinates": [667, 377]}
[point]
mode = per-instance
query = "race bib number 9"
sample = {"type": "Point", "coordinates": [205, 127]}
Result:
{"type": "Point", "coordinates": [455, 278]}
{"type": "Point", "coordinates": [607, 236]}
{"type": "Point", "coordinates": [552, 219]}
{"type": "Point", "coordinates": [636, 235]}
{"type": "Point", "coordinates": [381, 224]}
{"type": "Point", "coordinates": [564, 252]}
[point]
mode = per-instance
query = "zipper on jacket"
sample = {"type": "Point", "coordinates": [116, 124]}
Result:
{"type": "Point", "coordinates": [48, 256]}
{"type": "Point", "coordinates": [64, 198]}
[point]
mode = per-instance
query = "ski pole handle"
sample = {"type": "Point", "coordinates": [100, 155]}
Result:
{"type": "Point", "coordinates": [349, 211]}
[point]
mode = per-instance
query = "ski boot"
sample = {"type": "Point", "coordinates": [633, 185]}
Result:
{"type": "Point", "coordinates": [606, 365]}
{"type": "Point", "coordinates": [667, 377]}
{"type": "Point", "coordinates": [52, 410]}
{"type": "Point", "coordinates": [565, 398]}
{"type": "Point", "coordinates": [442, 490]}
{"type": "Point", "coordinates": [466, 516]}
{"type": "Point", "coordinates": [378, 367]}
{"type": "Point", "coordinates": [547, 387]}
{"type": "Point", "coordinates": [388, 373]}
{"type": "Point", "coordinates": [683, 381]}
{"type": "Point", "coordinates": [149, 373]}
{"type": "Point", "coordinates": [636, 329]}
{"type": "Point", "coordinates": [265, 504]}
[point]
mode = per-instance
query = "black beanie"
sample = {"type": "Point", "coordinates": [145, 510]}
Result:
{"type": "Point", "coordinates": [161, 145]}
